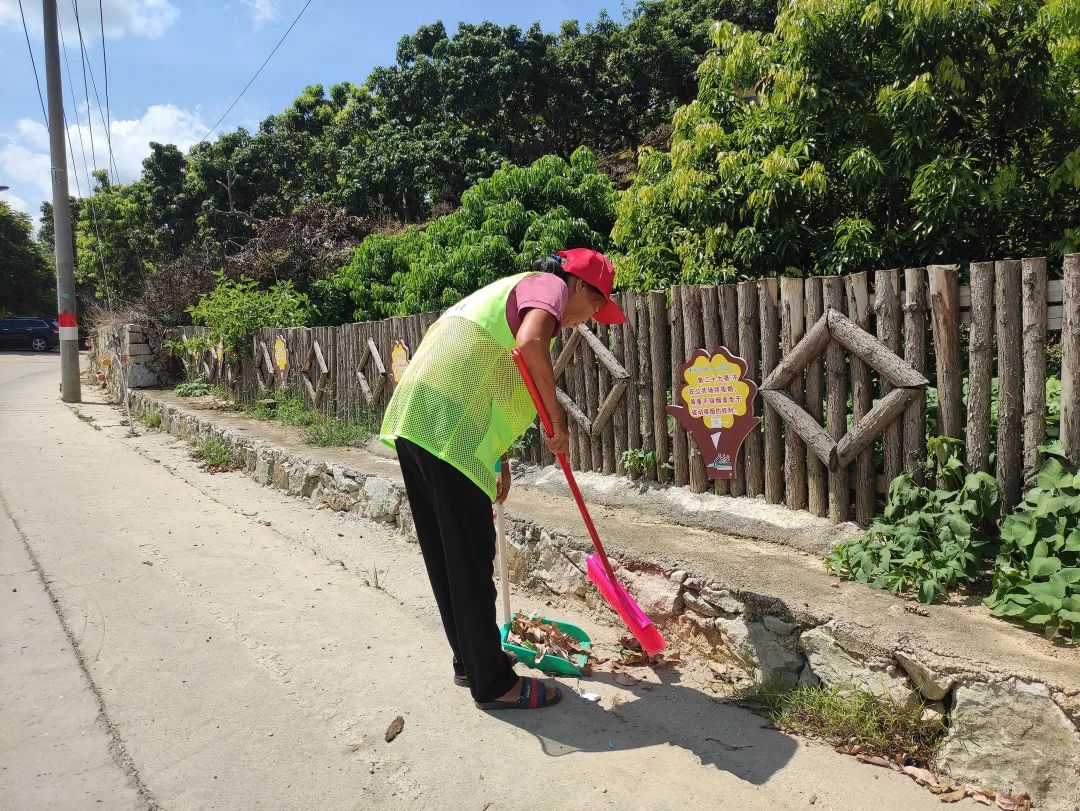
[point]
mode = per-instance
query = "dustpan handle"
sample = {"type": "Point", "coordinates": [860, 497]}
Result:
{"type": "Point", "coordinates": [504, 566]}
{"type": "Point", "coordinates": [545, 420]}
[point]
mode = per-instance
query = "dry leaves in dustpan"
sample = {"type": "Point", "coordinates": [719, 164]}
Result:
{"type": "Point", "coordinates": [545, 639]}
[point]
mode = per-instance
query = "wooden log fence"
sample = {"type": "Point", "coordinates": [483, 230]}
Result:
{"type": "Point", "coordinates": [842, 365]}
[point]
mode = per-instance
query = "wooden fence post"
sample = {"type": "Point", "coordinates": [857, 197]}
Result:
{"type": "Point", "coordinates": [816, 474]}
{"type": "Point", "coordinates": [887, 309]}
{"type": "Point", "coordinates": [862, 399]}
{"type": "Point", "coordinates": [693, 338]}
{"type": "Point", "coordinates": [980, 365]}
{"type": "Point", "coordinates": [1010, 381]}
{"type": "Point", "coordinates": [945, 304]}
{"type": "Point", "coordinates": [629, 438]}
{"type": "Point", "coordinates": [584, 440]}
{"type": "Point", "coordinates": [646, 433]}
{"type": "Point", "coordinates": [680, 438]}
{"type": "Point", "coordinates": [793, 314]}
{"type": "Point", "coordinates": [836, 390]}
{"type": "Point", "coordinates": [659, 354]}
{"type": "Point", "coordinates": [592, 401]}
{"type": "Point", "coordinates": [1034, 347]}
{"type": "Point", "coordinates": [607, 431]}
{"type": "Point", "coordinates": [620, 418]}
{"type": "Point", "coordinates": [1070, 359]}
{"type": "Point", "coordinates": [729, 324]}
{"type": "Point", "coordinates": [570, 385]}
{"type": "Point", "coordinates": [750, 351]}
{"type": "Point", "coordinates": [915, 354]}
{"type": "Point", "coordinates": [769, 304]}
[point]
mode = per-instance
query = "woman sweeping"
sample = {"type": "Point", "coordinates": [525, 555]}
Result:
{"type": "Point", "coordinates": [455, 413]}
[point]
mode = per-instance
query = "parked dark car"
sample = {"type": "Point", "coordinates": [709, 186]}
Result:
{"type": "Point", "coordinates": [25, 332]}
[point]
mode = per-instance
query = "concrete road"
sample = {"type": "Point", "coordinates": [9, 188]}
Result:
{"type": "Point", "coordinates": [176, 639]}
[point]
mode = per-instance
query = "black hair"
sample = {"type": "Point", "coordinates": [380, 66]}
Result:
{"type": "Point", "coordinates": [553, 264]}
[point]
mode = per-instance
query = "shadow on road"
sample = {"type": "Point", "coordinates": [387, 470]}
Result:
{"type": "Point", "coordinates": [718, 732]}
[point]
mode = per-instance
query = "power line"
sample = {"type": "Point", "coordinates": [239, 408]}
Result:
{"type": "Point", "coordinates": [105, 63]}
{"type": "Point", "coordinates": [97, 97]}
{"type": "Point", "coordinates": [86, 170]}
{"type": "Point", "coordinates": [89, 115]}
{"type": "Point", "coordinates": [78, 121]}
{"type": "Point", "coordinates": [256, 76]}
{"type": "Point", "coordinates": [37, 81]}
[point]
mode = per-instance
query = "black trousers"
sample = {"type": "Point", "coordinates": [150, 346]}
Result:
{"type": "Point", "coordinates": [457, 537]}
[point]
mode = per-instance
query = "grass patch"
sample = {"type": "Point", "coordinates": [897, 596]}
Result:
{"type": "Point", "coordinates": [220, 392]}
{"type": "Point", "coordinates": [151, 420]}
{"type": "Point", "coordinates": [195, 389]}
{"type": "Point", "coordinates": [286, 408]}
{"type": "Point", "coordinates": [321, 431]}
{"type": "Point", "coordinates": [856, 721]}
{"type": "Point", "coordinates": [216, 457]}
{"type": "Point", "coordinates": [332, 432]}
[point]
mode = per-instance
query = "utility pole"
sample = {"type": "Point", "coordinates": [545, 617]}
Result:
{"type": "Point", "coordinates": [70, 383]}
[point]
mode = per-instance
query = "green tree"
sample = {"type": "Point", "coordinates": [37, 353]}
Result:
{"type": "Point", "coordinates": [405, 145]}
{"type": "Point", "coordinates": [233, 310]}
{"type": "Point", "coordinates": [504, 223]}
{"type": "Point", "coordinates": [898, 131]}
{"type": "Point", "coordinates": [112, 237]}
{"type": "Point", "coordinates": [27, 272]}
{"type": "Point", "coordinates": [170, 208]}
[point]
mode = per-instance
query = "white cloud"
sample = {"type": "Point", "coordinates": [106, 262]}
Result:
{"type": "Point", "coordinates": [26, 167]}
{"type": "Point", "coordinates": [164, 123]}
{"type": "Point", "coordinates": [263, 11]}
{"type": "Point", "coordinates": [17, 203]}
{"type": "Point", "coordinates": [140, 18]}
{"type": "Point", "coordinates": [33, 133]}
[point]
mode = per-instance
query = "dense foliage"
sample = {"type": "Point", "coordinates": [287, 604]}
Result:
{"type": "Point", "coordinates": [504, 223]}
{"type": "Point", "coordinates": [896, 131]}
{"type": "Point", "coordinates": [26, 270]}
{"type": "Point", "coordinates": [1037, 574]}
{"type": "Point", "coordinates": [403, 146]}
{"type": "Point", "coordinates": [927, 540]}
{"type": "Point", "coordinates": [233, 310]}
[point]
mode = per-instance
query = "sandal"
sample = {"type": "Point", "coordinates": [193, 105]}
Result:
{"type": "Point", "coordinates": [463, 680]}
{"type": "Point", "coordinates": [533, 697]}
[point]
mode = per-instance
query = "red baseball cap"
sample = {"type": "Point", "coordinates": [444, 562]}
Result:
{"type": "Point", "coordinates": [596, 269]}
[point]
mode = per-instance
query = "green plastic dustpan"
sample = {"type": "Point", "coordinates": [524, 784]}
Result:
{"type": "Point", "coordinates": [548, 662]}
{"type": "Point", "coordinates": [527, 656]}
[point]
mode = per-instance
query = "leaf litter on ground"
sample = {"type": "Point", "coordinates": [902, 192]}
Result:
{"type": "Point", "coordinates": [633, 656]}
{"type": "Point", "coordinates": [946, 790]}
{"type": "Point", "coordinates": [395, 728]}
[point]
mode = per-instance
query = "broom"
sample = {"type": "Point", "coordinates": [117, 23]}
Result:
{"type": "Point", "coordinates": [598, 567]}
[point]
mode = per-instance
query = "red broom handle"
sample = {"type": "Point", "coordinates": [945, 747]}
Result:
{"type": "Point", "coordinates": [519, 359]}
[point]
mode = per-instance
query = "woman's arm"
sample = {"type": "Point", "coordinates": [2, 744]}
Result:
{"type": "Point", "coordinates": [533, 341]}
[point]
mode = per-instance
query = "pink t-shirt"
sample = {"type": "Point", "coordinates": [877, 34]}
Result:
{"type": "Point", "coordinates": [544, 291]}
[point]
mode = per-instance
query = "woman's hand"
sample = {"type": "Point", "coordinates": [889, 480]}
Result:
{"type": "Point", "coordinates": [559, 442]}
{"type": "Point", "coordinates": [502, 487]}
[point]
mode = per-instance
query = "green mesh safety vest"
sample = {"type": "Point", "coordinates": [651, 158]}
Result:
{"type": "Point", "coordinates": [461, 397]}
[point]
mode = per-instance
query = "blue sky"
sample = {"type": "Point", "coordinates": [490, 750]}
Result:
{"type": "Point", "coordinates": [176, 65]}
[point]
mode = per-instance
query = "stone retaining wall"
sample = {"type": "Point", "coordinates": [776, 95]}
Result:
{"type": "Point", "coordinates": [1004, 733]}
{"type": "Point", "coordinates": [136, 347]}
